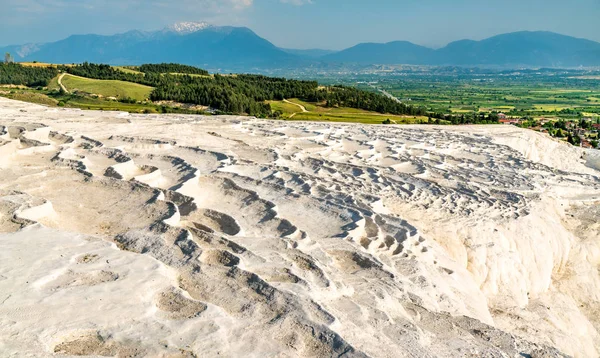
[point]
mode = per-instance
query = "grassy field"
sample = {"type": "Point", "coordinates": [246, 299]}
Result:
{"type": "Point", "coordinates": [31, 97]}
{"type": "Point", "coordinates": [99, 104]}
{"type": "Point", "coordinates": [52, 99]}
{"type": "Point", "coordinates": [55, 99]}
{"type": "Point", "coordinates": [53, 84]}
{"type": "Point", "coordinates": [126, 70]}
{"type": "Point", "coordinates": [107, 88]}
{"type": "Point", "coordinates": [318, 112]}
{"type": "Point", "coordinates": [286, 108]}
{"type": "Point", "coordinates": [311, 107]}
{"type": "Point", "coordinates": [191, 75]}
{"type": "Point", "coordinates": [42, 64]}
{"type": "Point", "coordinates": [549, 107]}
{"type": "Point", "coordinates": [365, 118]}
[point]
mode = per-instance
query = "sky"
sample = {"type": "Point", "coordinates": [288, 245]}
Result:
{"type": "Point", "coordinates": [303, 24]}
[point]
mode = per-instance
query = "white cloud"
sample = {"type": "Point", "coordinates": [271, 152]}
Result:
{"type": "Point", "coordinates": [32, 6]}
{"type": "Point", "coordinates": [24, 21]}
{"type": "Point", "coordinates": [297, 2]}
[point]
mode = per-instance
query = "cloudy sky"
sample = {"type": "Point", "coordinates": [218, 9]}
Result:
{"type": "Point", "coordinates": [330, 24]}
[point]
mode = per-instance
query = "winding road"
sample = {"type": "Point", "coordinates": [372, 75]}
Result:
{"type": "Point", "coordinates": [298, 105]}
{"type": "Point", "coordinates": [60, 83]}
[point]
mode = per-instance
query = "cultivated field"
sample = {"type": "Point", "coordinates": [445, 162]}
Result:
{"type": "Point", "coordinates": [551, 93]}
{"type": "Point", "coordinates": [517, 101]}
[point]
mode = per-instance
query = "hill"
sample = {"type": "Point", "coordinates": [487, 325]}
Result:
{"type": "Point", "coordinates": [388, 53]}
{"type": "Point", "coordinates": [539, 48]}
{"type": "Point", "coordinates": [535, 49]}
{"type": "Point", "coordinates": [107, 88]}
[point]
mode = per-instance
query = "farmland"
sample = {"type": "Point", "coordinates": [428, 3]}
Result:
{"type": "Point", "coordinates": [518, 101]}
{"type": "Point", "coordinates": [547, 93]}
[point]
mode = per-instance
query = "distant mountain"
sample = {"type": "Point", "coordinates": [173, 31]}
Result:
{"type": "Point", "coordinates": [229, 48]}
{"type": "Point", "coordinates": [310, 53]}
{"type": "Point", "coordinates": [398, 52]}
{"type": "Point", "coordinates": [213, 47]}
{"type": "Point", "coordinates": [539, 48]}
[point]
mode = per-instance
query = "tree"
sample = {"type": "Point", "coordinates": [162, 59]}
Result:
{"type": "Point", "coordinates": [15, 74]}
{"type": "Point", "coordinates": [584, 124]}
{"type": "Point", "coordinates": [574, 140]}
{"type": "Point", "coordinates": [557, 133]}
{"type": "Point", "coordinates": [560, 124]}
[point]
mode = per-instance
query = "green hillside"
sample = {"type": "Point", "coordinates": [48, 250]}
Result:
{"type": "Point", "coordinates": [107, 88]}
{"type": "Point", "coordinates": [292, 110]}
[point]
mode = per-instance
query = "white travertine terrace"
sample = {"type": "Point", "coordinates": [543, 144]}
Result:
{"type": "Point", "coordinates": [177, 236]}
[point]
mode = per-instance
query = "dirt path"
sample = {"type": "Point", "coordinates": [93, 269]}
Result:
{"type": "Point", "coordinates": [298, 105]}
{"type": "Point", "coordinates": [60, 83]}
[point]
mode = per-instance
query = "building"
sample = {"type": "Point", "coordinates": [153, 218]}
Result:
{"type": "Point", "coordinates": [508, 121]}
{"type": "Point", "coordinates": [501, 116]}
{"type": "Point", "coordinates": [8, 58]}
{"type": "Point", "coordinates": [544, 121]}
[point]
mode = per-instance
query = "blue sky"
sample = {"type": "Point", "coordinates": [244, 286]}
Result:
{"type": "Point", "coordinates": [330, 24]}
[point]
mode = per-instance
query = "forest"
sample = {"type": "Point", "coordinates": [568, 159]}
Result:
{"type": "Point", "coordinates": [171, 68]}
{"type": "Point", "coordinates": [15, 74]}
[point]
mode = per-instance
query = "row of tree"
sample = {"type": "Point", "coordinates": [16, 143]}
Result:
{"type": "Point", "coordinates": [103, 72]}
{"type": "Point", "coordinates": [171, 68]}
{"type": "Point", "coordinates": [339, 96]}
{"type": "Point", "coordinates": [470, 118]}
{"type": "Point", "coordinates": [16, 74]}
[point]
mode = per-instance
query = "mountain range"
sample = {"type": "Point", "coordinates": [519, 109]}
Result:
{"type": "Point", "coordinates": [239, 48]}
